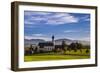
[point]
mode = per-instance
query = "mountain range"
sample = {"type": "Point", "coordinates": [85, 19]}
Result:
{"type": "Point", "coordinates": [27, 42]}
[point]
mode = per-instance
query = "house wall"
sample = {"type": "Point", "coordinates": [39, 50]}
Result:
{"type": "Point", "coordinates": [47, 48]}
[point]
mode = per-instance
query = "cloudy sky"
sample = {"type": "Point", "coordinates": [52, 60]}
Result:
{"type": "Point", "coordinates": [42, 25]}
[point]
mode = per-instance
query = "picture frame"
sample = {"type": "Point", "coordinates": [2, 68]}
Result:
{"type": "Point", "coordinates": [23, 11]}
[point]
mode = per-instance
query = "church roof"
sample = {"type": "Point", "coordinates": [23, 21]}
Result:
{"type": "Point", "coordinates": [46, 44]}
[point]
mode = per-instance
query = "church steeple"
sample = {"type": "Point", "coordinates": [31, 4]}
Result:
{"type": "Point", "coordinates": [53, 39]}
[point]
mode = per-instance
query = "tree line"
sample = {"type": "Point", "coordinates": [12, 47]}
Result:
{"type": "Point", "coordinates": [64, 47]}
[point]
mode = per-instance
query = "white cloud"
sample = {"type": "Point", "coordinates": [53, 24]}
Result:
{"type": "Point", "coordinates": [37, 34]}
{"type": "Point", "coordinates": [85, 18]}
{"type": "Point", "coordinates": [37, 37]}
{"type": "Point", "coordinates": [70, 31]}
{"type": "Point", "coordinates": [29, 13]}
{"type": "Point", "coordinates": [62, 18]}
{"type": "Point", "coordinates": [28, 22]}
{"type": "Point", "coordinates": [38, 18]}
{"type": "Point", "coordinates": [49, 18]}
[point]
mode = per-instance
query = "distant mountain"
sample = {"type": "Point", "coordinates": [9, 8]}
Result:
{"type": "Point", "coordinates": [83, 42]}
{"type": "Point", "coordinates": [68, 41]}
{"type": "Point", "coordinates": [27, 42]}
{"type": "Point", "coordinates": [57, 41]}
{"type": "Point", "coordinates": [63, 40]}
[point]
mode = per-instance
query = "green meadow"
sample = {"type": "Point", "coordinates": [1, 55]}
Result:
{"type": "Point", "coordinates": [68, 55]}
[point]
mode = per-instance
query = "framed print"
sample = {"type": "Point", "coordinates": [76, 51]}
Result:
{"type": "Point", "coordinates": [52, 36]}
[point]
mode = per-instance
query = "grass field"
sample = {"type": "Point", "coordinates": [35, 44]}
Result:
{"type": "Point", "coordinates": [56, 56]}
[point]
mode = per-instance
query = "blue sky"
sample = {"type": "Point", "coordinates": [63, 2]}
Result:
{"type": "Point", "coordinates": [42, 25]}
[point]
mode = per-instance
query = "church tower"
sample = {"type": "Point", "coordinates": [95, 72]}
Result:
{"type": "Point", "coordinates": [53, 39]}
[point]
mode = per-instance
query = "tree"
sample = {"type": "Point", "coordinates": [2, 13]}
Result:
{"type": "Point", "coordinates": [31, 49]}
{"type": "Point", "coordinates": [79, 46]}
{"type": "Point", "coordinates": [73, 46]}
{"type": "Point", "coordinates": [36, 50]}
{"type": "Point", "coordinates": [87, 51]}
{"type": "Point", "coordinates": [64, 47]}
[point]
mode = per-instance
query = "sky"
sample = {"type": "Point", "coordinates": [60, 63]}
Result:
{"type": "Point", "coordinates": [63, 25]}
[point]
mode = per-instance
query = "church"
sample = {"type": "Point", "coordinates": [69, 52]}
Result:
{"type": "Point", "coordinates": [43, 47]}
{"type": "Point", "coordinates": [47, 46]}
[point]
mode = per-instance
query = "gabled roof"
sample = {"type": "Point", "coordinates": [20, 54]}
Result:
{"type": "Point", "coordinates": [46, 44]}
